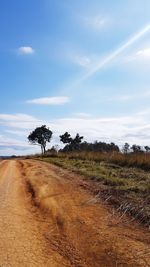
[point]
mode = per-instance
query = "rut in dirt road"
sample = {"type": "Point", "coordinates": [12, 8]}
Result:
{"type": "Point", "coordinates": [47, 219]}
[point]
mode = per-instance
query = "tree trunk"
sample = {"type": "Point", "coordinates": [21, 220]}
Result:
{"type": "Point", "coordinates": [42, 149]}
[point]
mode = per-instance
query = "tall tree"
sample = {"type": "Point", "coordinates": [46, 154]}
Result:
{"type": "Point", "coordinates": [40, 136]}
{"type": "Point", "coordinates": [126, 148]}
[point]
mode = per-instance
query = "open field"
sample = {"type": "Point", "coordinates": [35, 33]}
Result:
{"type": "Point", "coordinates": [138, 160]}
{"type": "Point", "coordinates": [128, 189]}
{"type": "Point", "coordinates": [48, 217]}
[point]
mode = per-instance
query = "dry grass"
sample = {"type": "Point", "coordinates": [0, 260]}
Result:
{"type": "Point", "coordinates": [139, 160]}
{"type": "Point", "coordinates": [127, 188]}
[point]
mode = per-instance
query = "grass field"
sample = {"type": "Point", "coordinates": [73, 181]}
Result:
{"type": "Point", "coordinates": [139, 160]}
{"type": "Point", "coordinates": [127, 188]}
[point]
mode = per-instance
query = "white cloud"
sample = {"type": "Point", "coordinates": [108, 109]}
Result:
{"type": "Point", "coordinates": [82, 115]}
{"type": "Point", "coordinates": [12, 146]}
{"type": "Point", "coordinates": [119, 129]}
{"type": "Point", "coordinates": [144, 112]}
{"type": "Point", "coordinates": [123, 98]}
{"type": "Point", "coordinates": [18, 126]}
{"type": "Point", "coordinates": [57, 100]}
{"type": "Point", "coordinates": [82, 61]}
{"type": "Point", "coordinates": [9, 146]}
{"type": "Point", "coordinates": [8, 142]}
{"type": "Point", "coordinates": [145, 53]}
{"type": "Point", "coordinates": [22, 121]}
{"type": "Point", "coordinates": [26, 50]}
{"type": "Point", "coordinates": [142, 55]}
{"type": "Point", "coordinates": [96, 22]}
{"type": "Point", "coordinates": [17, 117]}
{"type": "Point", "coordinates": [16, 132]}
{"type": "Point", "coordinates": [77, 57]}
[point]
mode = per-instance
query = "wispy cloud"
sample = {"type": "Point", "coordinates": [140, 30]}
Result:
{"type": "Point", "coordinates": [82, 115]}
{"type": "Point", "coordinates": [16, 132]}
{"type": "Point", "coordinates": [98, 64]}
{"type": "Point", "coordinates": [140, 55]}
{"type": "Point", "coordinates": [133, 129]}
{"type": "Point", "coordinates": [9, 142]}
{"type": "Point", "coordinates": [129, 97]}
{"type": "Point", "coordinates": [76, 56]}
{"type": "Point", "coordinates": [116, 53]}
{"type": "Point", "coordinates": [144, 53]}
{"type": "Point", "coordinates": [96, 22]}
{"type": "Point", "coordinates": [26, 50]}
{"type": "Point", "coordinates": [83, 61]}
{"type": "Point", "coordinates": [20, 121]}
{"type": "Point", "coordinates": [57, 100]}
{"type": "Point", "coordinates": [12, 146]}
{"type": "Point", "coordinates": [144, 112]}
{"type": "Point", "coordinates": [17, 117]}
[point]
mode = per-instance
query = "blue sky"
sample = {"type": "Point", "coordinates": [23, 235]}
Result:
{"type": "Point", "coordinates": [77, 66]}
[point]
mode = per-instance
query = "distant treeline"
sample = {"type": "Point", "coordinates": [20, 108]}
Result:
{"type": "Point", "coordinates": [76, 144]}
{"type": "Point", "coordinates": [42, 135]}
{"type": "Point", "coordinates": [96, 146]}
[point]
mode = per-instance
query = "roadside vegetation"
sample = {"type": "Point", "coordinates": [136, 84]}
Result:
{"type": "Point", "coordinates": [119, 176]}
{"type": "Point", "coordinates": [128, 189]}
{"type": "Point", "coordinates": [137, 160]}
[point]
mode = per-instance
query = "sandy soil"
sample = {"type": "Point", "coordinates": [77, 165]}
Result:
{"type": "Point", "coordinates": [48, 219]}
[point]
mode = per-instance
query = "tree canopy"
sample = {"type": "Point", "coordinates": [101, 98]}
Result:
{"type": "Point", "coordinates": [136, 148]}
{"type": "Point", "coordinates": [65, 138]}
{"type": "Point", "coordinates": [40, 136]}
{"type": "Point", "coordinates": [72, 143]}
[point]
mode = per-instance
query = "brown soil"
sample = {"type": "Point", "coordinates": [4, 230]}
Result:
{"type": "Point", "coordinates": [48, 218]}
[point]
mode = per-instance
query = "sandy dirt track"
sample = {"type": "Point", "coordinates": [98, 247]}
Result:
{"type": "Point", "coordinates": [48, 219]}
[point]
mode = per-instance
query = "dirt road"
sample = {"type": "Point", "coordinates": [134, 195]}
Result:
{"type": "Point", "coordinates": [48, 219]}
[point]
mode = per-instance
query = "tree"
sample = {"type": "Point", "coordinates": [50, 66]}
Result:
{"type": "Point", "coordinates": [126, 148]}
{"type": "Point", "coordinates": [147, 148]}
{"type": "Point", "coordinates": [136, 149]}
{"type": "Point", "coordinates": [72, 143]}
{"type": "Point", "coordinates": [40, 136]}
{"type": "Point", "coordinates": [113, 147]}
{"type": "Point", "coordinates": [65, 138]}
{"type": "Point", "coordinates": [75, 143]}
{"type": "Point", "coordinates": [78, 139]}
